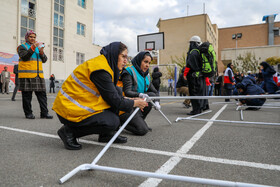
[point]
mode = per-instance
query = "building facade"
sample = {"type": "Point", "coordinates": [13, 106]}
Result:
{"type": "Point", "coordinates": [178, 31]}
{"type": "Point", "coordinates": [65, 27]}
{"type": "Point", "coordinates": [256, 39]}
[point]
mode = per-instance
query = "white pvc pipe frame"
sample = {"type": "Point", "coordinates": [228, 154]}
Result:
{"type": "Point", "coordinates": [158, 175]}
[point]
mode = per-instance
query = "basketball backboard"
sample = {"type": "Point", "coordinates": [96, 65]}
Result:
{"type": "Point", "coordinates": [153, 41]}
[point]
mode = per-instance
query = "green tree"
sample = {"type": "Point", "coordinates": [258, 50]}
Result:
{"type": "Point", "coordinates": [246, 63]}
{"type": "Point", "coordinates": [273, 60]}
{"type": "Point", "coordinates": [179, 61]}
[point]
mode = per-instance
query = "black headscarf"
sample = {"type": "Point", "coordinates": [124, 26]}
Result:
{"type": "Point", "coordinates": [229, 65]}
{"type": "Point", "coordinates": [156, 69]}
{"type": "Point", "coordinates": [111, 52]}
{"type": "Point", "coordinates": [267, 68]}
{"type": "Point", "coordinates": [136, 62]}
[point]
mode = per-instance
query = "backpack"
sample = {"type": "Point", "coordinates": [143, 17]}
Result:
{"type": "Point", "coordinates": [209, 64]}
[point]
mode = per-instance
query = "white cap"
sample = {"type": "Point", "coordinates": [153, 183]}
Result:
{"type": "Point", "coordinates": [195, 39]}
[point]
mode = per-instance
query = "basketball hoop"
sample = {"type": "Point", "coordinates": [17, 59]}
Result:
{"type": "Point", "coordinates": [149, 49]}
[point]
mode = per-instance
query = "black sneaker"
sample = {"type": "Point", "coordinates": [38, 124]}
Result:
{"type": "Point", "coordinates": [30, 116]}
{"type": "Point", "coordinates": [46, 116]}
{"type": "Point", "coordinates": [107, 138]}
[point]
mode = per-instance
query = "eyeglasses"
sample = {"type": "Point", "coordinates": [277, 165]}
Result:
{"type": "Point", "coordinates": [124, 56]}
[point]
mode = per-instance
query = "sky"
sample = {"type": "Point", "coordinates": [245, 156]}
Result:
{"type": "Point", "coordinates": [124, 20]}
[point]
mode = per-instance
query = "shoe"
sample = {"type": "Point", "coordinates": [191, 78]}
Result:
{"type": "Point", "coordinates": [30, 116]}
{"type": "Point", "coordinates": [46, 116]}
{"type": "Point", "coordinates": [194, 112]}
{"type": "Point", "coordinates": [107, 138]}
{"type": "Point", "coordinates": [206, 108]}
{"type": "Point", "coordinates": [186, 105]}
{"type": "Point", "coordinates": [13, 99]}
{"type": "Point", "coordinates": [253, 108]}
{"type": "Point", "coordinates": [70, 142]}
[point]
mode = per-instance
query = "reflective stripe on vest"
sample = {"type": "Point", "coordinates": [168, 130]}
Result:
{"type": "Point", "coordinates": [31, 68]}
{"type": "Point", "coordinates": [29, 71]}
{"type": "Point", "coordinates": [75, 102]}
{"type": "Point", "coordinates": [83, 85]}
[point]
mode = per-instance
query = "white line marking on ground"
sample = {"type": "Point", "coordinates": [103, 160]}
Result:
{"type": "Point", "coordinates": [173, 161]}
{"type": "Point", "coordinates": [159, 152]}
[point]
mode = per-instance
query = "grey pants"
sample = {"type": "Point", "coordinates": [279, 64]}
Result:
{"type": "Point", "coordinates": [5, 86]}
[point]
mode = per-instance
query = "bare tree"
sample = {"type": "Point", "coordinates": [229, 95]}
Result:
{"type": "Point", "coordinates": [246, 63]}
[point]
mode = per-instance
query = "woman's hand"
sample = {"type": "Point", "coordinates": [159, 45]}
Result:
{"type": "Point", "coordinates": [140, 103]}
{"type": "Point", "coordinates": [41, 50]}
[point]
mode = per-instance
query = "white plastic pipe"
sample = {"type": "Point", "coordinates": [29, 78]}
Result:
{"type": "Point", "coordinates": [172, 177]}
{"type": "Point", "coordinates": [182, 118]}
{"type": "Point", "coordinates": [228, 121]}
{"type": "Point", "coordinates": [219, 97]}
{"type": "Point", "coordinates": [162, 113]}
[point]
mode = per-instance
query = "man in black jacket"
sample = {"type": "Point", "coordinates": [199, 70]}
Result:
{"type": "Point", "coordinates": [196, 82]}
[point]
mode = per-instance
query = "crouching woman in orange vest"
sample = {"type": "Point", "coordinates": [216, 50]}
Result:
{"type": "Point", "coordinates": [88, 101]}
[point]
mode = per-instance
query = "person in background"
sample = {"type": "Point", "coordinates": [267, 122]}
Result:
{"type": "Point", "coordinates": [137, 83]}
{"type": "Point", "coordinates": [269, 84]}
{"type": "Point", "coordinates": [275, 78]}
{"type": "Point", "coordinates": [237, 77]}
{"type": "Point", "coordinates": [0, 83]}
{"type": "Point", "coordinates": [218, 85]}
{"type": "Point", "coordinates": [192, 73]}
{"type": "Point", "coordinates": [170, 86]}
{"type": "Point", "coordinates": [52, 83]}
{"type": "Point", "coordinates": [228, 81]}
{"type": "Point", "coordinates": [5, 80]}
{"type": "Point", "coordinates": [89, 100]}
{"type": "Point", "coordinates": [248, 86]}
{"type": "Point", "coordinates": [156, 78]}
{"type": "Point", "coordinates": [211, 86]}
{"type": "Point", "coordinates": [31, 75]}
{"type": "Point", "coordinates": [182, 88]}
{"type": "Point", "coordinates": [16, 82]}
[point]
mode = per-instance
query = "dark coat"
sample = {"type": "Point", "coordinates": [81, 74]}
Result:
{"type": "Point", "coordinates": [250, 87]}
{"type": "Point", "coordinates": [52, 79]}
{"type": "Point", "coordinates": [156, 78]}
{"type": "Point", "coordinates": [269, 85]}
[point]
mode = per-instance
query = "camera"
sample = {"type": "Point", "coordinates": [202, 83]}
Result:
{"type": "Point", "coordinates": [41, 44]}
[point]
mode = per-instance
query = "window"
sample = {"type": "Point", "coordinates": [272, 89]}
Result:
{"type": "Point", "coordinates": [82, 3]}
{"type": "Point", "coordinates": [81, 29]}
{"type": "Point", "coordinates": [276, 32]}
{"type": "Point", "coordinates": [80, 58]}
{"type": "Point", "coordinates": [28, 17]}
{"type": "Point", "coordinates": [58, 30]}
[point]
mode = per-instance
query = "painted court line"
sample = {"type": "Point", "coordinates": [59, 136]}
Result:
{"type": "Point", "coordinates": [163, 153]}
{"type": "Point", "coordinates": [173, 161]}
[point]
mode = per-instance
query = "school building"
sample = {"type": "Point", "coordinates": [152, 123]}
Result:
{"type": "Point", "coordinates": [262, 40]}
{"type": "Point", "coordinates": [64, 26]}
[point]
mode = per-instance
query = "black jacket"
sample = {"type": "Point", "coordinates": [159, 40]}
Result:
{"type": "Point", "coordinates": [156, 78]}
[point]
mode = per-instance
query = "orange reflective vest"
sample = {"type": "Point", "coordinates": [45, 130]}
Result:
{"type": "Point", "coordinates": [78, 97]}
{"type": "Point", "coordinates": [32, 67]}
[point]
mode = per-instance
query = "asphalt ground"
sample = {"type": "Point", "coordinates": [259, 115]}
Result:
{"type": "Point", "coordinates": [33, 155]}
